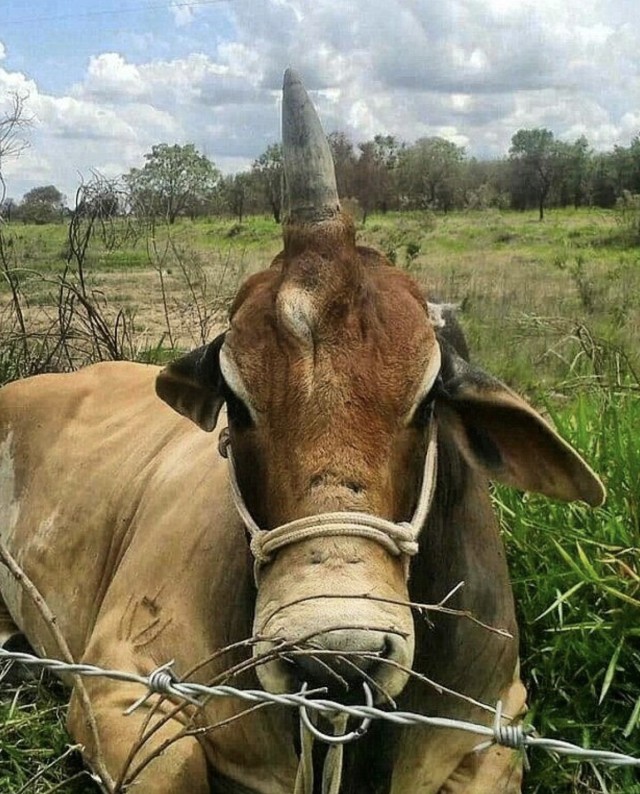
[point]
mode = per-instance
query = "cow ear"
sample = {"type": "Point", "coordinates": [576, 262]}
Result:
{"type": "Point", "coordinates": [499, 433]}
{"type": "Point", "coordinates": [193, 386]}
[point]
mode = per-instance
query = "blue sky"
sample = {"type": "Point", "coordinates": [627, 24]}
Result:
{"type": "Point", "coordinates": [53, 41]}
{"type": "Point", "coordinates": [105, 81]}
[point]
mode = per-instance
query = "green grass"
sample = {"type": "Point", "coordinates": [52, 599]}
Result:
{"type": "Point", "coordinates": [35, 752]}
{"type": "Point", "coordinates": [553, 308]}
{"type": "Point", "coordinates": [576, 577]}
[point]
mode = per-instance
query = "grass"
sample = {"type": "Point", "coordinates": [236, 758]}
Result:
{"type": "Point", "coordinates": [576, 578]}
{"type": "Point", "coordinates": [35, 753]}
{"type": "Point", "coordinates": [553, 309]}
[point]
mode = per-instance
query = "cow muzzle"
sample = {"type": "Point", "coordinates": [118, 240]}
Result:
{"type": "Point", "coordinates": [328, 624]}
{"type": "Point", "coordinates": [314, 624]}
{"type": "Point", "coordinates": [342, 659]}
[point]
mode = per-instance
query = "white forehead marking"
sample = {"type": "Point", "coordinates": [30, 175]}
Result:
{"type": "Point", "coordinates": [234, 380]}
{"type": "Point", "coordinates": [431, 373]}
{"type": "Point", "coordinates": [297, 311]}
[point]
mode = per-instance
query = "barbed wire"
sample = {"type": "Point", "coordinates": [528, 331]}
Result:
{"type": "Point", "coordinates": [162, 681]}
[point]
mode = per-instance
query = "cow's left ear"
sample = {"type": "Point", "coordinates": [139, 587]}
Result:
{"type": "Point", "coordinates": [499, 433]}
{"type": "Point", "coordinates": [193, 386]}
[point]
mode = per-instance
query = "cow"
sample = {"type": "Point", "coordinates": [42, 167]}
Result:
{"type": "Point", "coordinates": [358, 444]}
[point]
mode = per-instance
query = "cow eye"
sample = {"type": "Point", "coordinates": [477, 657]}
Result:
{"type": "Point", "coordinates": [424, 412]}
{"type": "Point", "coordinates": [237, 411]}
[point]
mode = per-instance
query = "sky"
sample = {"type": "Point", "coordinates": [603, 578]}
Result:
{"type": "Point", "coordinates": [107, 80]}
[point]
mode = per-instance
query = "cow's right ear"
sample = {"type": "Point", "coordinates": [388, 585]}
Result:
{"type": "Point", "coordinates": [501, 435]}
{"type": "Point", "coordinates": [193, 386]}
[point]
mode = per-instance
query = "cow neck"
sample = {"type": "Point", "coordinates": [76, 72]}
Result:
{"type": "Point", "coordinates": [398, 538]}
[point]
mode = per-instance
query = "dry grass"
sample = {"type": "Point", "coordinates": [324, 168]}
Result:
{"type": "Point", "coordinates": [526, 289]}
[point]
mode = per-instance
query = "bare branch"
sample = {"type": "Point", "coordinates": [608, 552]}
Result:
{"type": "Point", "coordinates": [423, 609]}
{"type": "Point", "coordinates": [49, 618]}
{"type": "Point", "coordinates": [14, 124]}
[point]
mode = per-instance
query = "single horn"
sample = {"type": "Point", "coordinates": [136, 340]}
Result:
{"type": "Point", "coordinates": [311, 194]}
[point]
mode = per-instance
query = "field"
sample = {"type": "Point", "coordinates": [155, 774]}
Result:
{"type": "Point", "coordinates": [552, 308]}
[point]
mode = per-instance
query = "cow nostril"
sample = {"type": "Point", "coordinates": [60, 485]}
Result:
{"type": "Point", "coordinates": [342, 662]}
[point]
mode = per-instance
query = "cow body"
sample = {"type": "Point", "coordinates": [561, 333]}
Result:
{"type": "Point", "coordinates": [120, 513]}
{"type": "Point", "coordinates": [337, 382]}
{"type": "Point", "coordinates": [127, 530]}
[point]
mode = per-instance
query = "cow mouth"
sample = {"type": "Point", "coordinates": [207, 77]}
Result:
{"type": "Point", "coordinates": [341, 674]}
{"type": "Point", "coordinates": [338, 662]}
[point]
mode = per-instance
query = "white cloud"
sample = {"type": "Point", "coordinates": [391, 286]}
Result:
{"type": "Point", "coordinates": [15, 82]}
{"type": "Point", "coordinates": [183, 15]}
{"type": "Point", "coordinates": [472, 70]}
{"type": "Point", "coordinates": [110, 76]}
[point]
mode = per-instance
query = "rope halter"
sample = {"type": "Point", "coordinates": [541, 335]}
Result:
{"type": "Point", "coordinates": [397, 538]}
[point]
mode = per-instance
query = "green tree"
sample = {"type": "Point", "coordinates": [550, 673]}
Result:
{"type": "Point", "coordinates": [268, 172]}
{"type": "Point", "coordinates": [374, 174]}
{"type": "Point", "coordinates": [344, 160]}
{"type": "Point", "coordinates": [237, 194]}
{"type": "Point", "coordinates": [536, 164]}
{"type": "Point", "coordinates": [604, 183]}
{"type": "Point", "coordinates": [42, 205]}
{"type": "Point", "coordinates": [633, 175]}
{"type": "Point", "coordinates": [430, 173]}
{"type": "Point", "coordinates": [174, 179]}
{"type": "Point", "coordinates": [6, 208]}
{"type": "Point", "coordinates": [486, 183]}
{"type": "Point", "coordinates": [578, 158]}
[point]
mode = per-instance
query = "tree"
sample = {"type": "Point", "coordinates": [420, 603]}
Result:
{"type": "Point", "coordinates": [388, 150]}
{"type": "Point", "coordinates": [576, 169]}
{"type": "Point", "coordinates": [486, 184]}
{"type": "Point", "coordinates": [101, 198]}
{"type": "Point", "coordinates": [633, 176]}
{"type": "Point", "coordinates": [536, 161]}
{"type": "Point", "coordinates": [173, 180]}
{"type": "Point", "coordinates": [268, 172]}
{"type": "Point", "coordinates": [42, 205]}
{"type": "Point", "coordinates": [430, 173]}
{"type": "Point", "coordinates": [344, 161]}
{"type": "Point", "coordinates": [14, 124]}
{"type": "Point", "coordinates": [237, 193]}
{"type": "Point", "coordinates": [374, 182]}
{"type": "Point", "coordinates": [604, 181]}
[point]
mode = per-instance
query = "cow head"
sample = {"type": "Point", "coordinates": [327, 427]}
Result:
{"type": "Point", "coordinates": [332, 371]}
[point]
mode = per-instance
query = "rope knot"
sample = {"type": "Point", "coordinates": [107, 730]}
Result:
{"type": "Point", "coordinates": [256, 545]}
{"type": "Point", "coordinates": [409, 545]}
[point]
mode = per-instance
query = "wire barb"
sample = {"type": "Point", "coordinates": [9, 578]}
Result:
{"type": "Point", "coordinates": [161, 681]}
{"type": "Point", "coordinates": [512, 736]}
